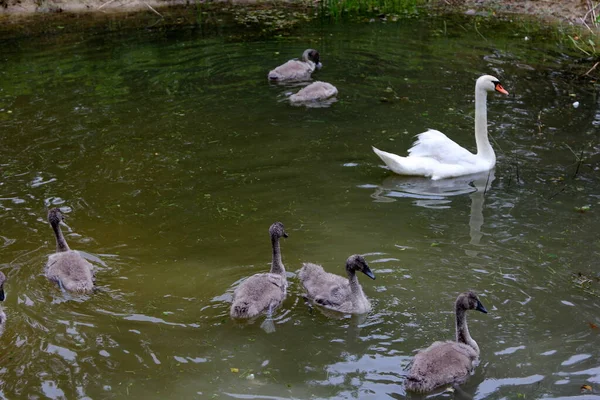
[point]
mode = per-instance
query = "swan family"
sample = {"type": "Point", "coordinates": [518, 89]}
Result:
{"type": "Point", "coordinates": [433, 155]}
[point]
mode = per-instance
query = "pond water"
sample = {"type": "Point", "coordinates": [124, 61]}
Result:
{"type": "Point", "coordinates": [171, 155]}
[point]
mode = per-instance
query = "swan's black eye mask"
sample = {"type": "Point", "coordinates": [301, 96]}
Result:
{"type": "Point", "coordinates": [499, 88]}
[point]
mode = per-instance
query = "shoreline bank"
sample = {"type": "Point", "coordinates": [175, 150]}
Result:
{"type": "Point", "coordinates": [569, 11]}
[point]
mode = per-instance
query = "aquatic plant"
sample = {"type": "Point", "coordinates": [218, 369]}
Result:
{"type": "Point", "coordinates": [336, 8]}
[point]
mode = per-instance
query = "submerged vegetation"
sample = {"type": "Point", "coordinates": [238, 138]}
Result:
{"type": "Point", "coordinates": [336, 8]}
{"type": "Point", "coordinates": [281, 19]}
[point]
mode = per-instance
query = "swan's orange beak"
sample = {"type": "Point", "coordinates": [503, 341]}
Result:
{"type": "Point", "coordinates": [500, 89]}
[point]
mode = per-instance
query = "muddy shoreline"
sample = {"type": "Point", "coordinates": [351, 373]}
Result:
{"type": "Point", "coordinates": [569, 11]}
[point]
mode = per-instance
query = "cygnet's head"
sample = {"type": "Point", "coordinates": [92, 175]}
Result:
{"type": "Point", "coordinates": [312, 55]}
{"type": "Point", "coordinates": [2, 280]}
{"type": "Point", "coordinates": [490, 84]}
{"type": "Point", "coordinates": [357, 262]}
{"type": "Point", "coordinates": [277, 231]}
{"type": "Point", "coordinates": [469, 301]}
{"type": "Point", "coordinates": [55, 217]}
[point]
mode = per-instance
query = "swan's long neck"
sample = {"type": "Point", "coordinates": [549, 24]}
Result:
{"type": "Point", "coordinates": [353, 281]}
{"type": "Point", "coordinates": [276, 264]}
{"type": "Point", "coordinates": [462, 330]}
{"type": "Point", "coordinates": [484, 148]}
{"type": "Point", "coordinates": [61, 243]}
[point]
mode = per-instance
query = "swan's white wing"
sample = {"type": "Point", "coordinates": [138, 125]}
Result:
{"type": "Point", "coordinates": [434, 144]}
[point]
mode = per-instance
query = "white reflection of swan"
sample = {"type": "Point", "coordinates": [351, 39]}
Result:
{"type": "Point", "coordinates": [435, 194]}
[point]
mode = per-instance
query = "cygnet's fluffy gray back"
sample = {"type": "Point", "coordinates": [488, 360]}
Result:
{"type": "Point", "coordinates": [316, 91]}
{"type": "Point", "coordinates": [67, 267]}
{"type": "Point", "coordinates": [2, 321]}
{"type": "Point", "coordinates": [332, 291]}
{"type": "Point", "coordinates": [262, 293]}
{"type": "Point", "coordinates": [258, 294]}
{"type": "Point", "coordinates": [2, 314]}
{"type": "Point", "coordinates": [296, 70]}
{"type": "Point", "coordinates": [440, 364]}
{"type": "Point", "coordinates": [70, 271]}
{"type": "Point", "coordinates": [447, 362]}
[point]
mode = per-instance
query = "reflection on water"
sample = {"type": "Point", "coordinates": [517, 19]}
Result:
{"type": "Point", "coordinates": [173, 154]}
{"type": "Point", "coordinates": [437, 193]}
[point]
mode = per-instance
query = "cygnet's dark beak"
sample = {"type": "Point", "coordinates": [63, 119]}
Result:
{"type": "Point", "coordinates": [367, 271]}
{"type": "Point", "coordinates": [480, 307]}
{"type": "Point", "coordinates": [285, 235]}
{"type": "Point", "coordinates": [2, 296]}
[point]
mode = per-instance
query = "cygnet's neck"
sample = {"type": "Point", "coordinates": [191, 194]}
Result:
{"type": "Point", "coordinates": [462, 330]}
{"type": "Point", "coordinates": [276, 263]}
{"type": "Point", "coordinates": [484, 148]}
{"type": "Point", "coordinates": [353, 280]}
{"type": "Point", "coordinates": [61, 243]}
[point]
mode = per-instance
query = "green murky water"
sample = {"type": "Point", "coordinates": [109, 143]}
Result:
{"type": "Point", "coordinates": [173, 154]}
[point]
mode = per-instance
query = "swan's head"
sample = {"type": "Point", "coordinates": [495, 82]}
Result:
{"type": "Point", "coordinates": [469, 301]}
{"type": "Point", "coordinates": [357, 262]}
{"type": "Point", "coordinates": [277, 231]}
{"type": "Point", "coordinates": [312, 55]}
{"type": "Point", "coordinates": [490, 84]}
{"type": "Point", "coordinates": [55, 217]}
{"type": "Point", "coordinates": [2, 280]}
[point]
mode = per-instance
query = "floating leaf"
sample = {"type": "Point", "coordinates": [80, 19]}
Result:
{"type": "Point", "coordinates": [593, 325]}
{"type": "Point", "coordinates": [234, 370]}
{"type": "Point", "coordinates": [586, 388]}
{"type": "Point", "coordinates": [583, 209]}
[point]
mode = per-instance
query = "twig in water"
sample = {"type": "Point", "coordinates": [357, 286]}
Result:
{"type": "Point", "coordinates": [591, 10]}
{"type": "Point", "coordinates": [517, 167]}
{"type": "Point", "coordinates": [496, 143]}
{"type": "Point", "coordinates": [155, 12]}
{"type": "Point", "coordinates": [477, 30]}
{"type": "Point", "coordinates": [578, 164]}
{"type": "Point", "coordinates": [486, 182]}
{"type": "Point", "coordinates": [579, 47]}
{"type": "Point", "coordinates": [575, 154]}
{"type": "Point", "coordinates": [560, 191]}
{"type": "Point", "coordinates": [107, 3]}
{"type": "Point", "coordinates": [586, 25]}
{"type": "Point", "coordinates": [591, 69]}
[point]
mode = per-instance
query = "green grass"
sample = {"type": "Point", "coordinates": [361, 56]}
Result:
{"type": "Point", "coordinates": [337, 8]}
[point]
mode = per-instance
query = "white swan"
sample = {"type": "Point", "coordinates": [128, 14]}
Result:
{"type": "Point", "coordinates": [435, 155]}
